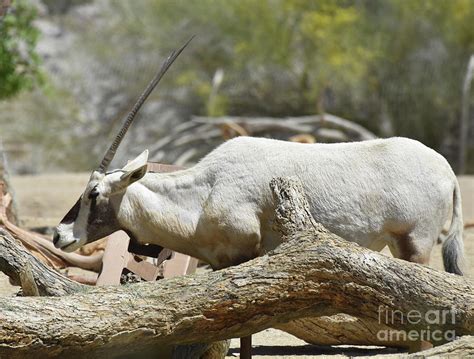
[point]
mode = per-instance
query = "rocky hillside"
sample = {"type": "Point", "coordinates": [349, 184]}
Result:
{"type": "Point", "coordinates": [68, 122]}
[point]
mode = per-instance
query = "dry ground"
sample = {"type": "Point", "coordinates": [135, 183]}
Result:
{"type": "Point", "coordinates": [43, 200]}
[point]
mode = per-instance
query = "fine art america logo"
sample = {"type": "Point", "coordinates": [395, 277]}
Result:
{"type": "Point", "coordinates": [432, 321]}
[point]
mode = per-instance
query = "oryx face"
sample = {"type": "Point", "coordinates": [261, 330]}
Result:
{"type": "Point", "coordinates": [94, 215]}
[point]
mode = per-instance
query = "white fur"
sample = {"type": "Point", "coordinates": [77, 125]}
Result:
{"type": "Point", "coordinates": [73, 235]}
{"type": "Point", "coordinates": [139, 161]}
{"type": "Point", "coordinates": [375, 193]}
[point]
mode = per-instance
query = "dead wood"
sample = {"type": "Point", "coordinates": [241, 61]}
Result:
{"type": "Point", "coordinates": [46, 252]}
{"type": "Point", "coordinates": [193, 139]}
{"type": "Point", "coordinates": [313, 274]}
{"type": "Point", "coordinates": [293, 124]}
{"type": "Point", "coordinates": [41, 247]}
{"type": "Point", "coordinates": [461, 348]}
{"type": "Point", "coordinates": [24, 269]}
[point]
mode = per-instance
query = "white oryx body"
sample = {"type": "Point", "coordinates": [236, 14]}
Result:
{"type": "Point", "coordinates": [394, 192]}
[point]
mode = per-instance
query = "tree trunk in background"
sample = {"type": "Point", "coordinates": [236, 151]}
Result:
{"type": "Point", "coordinates": [464, 126]}
{"type": "Point", "coordinates": [4, 5]}
{"type": "Point", "coordinates": [11, 211]}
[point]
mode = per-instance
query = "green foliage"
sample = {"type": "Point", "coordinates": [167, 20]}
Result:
{"type": "Point", "coordinates": [62, 6]}
{"type": "Point", "coordinates": [395, 66]}
{"type": "Point", "coordinates": [423, 47]}
{"type": "Point", "coordinates": [18, 61]}
{"type": "Point", "coordinates": [312, 44]}
{"type": "Point", "coordinates": [279, 56]}
{"type": "Point", "coordinates": [39, 123]}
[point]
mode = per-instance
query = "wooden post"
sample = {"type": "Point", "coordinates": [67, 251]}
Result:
{"type": "Point", "coordinates": [246, 347]}
{"type": "Point", "coordinates": [179, 264]}
{"type": "Point", "coordinates": [115, 259]}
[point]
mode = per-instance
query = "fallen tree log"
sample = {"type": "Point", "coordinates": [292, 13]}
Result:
{"type": "Point", "coordinates": [191, 140]}
{"type": "Point", "coordinates": [313, 274]}
{"type": "Point", "coordinates": [297, 124]}
{"type": "Point", "coordinates": [45, 250]}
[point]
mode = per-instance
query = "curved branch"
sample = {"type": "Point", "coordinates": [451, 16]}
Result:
{"type": "Point", "coordinates": [27, 271]}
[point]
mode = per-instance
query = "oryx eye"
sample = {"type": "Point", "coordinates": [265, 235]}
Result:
{"type": "Point", "coordinates": [94, 193]}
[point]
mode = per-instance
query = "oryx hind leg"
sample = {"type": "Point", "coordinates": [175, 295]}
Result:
{"type": "Point", "coordinates": [412, 246]}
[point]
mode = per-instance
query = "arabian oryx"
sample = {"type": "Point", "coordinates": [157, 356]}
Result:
{"type": "Point", "coordinates": [394, 192]}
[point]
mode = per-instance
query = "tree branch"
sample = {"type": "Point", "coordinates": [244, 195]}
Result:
{"type": "Point", "coordinates": [34, 277]}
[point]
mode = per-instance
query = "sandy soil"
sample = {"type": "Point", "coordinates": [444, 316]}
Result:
{"type": "Point", "coordinates": [44, 199]}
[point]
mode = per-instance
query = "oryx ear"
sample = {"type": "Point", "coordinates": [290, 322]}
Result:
{"type": "Point", "coordinates": [135, 169]}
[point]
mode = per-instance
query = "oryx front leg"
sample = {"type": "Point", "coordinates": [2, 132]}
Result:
{"type": "Point", "coordinates": [233, 237]}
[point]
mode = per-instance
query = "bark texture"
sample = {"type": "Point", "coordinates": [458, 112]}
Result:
{"type": "Point", "coordinates": [461, 348]}
{"type": "Point", "coordinates": [313, 274]}
{"type": "Point", "coordinates": [310, 275]}
{"type": "Point", "coordinates": [34, 277]}
{"type": "Point", "coordinates": [190, 141]}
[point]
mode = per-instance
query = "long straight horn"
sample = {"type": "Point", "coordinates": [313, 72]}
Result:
{"type": "Point", "coordinates": [109, 155]}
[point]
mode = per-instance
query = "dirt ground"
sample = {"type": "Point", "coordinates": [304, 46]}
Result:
{"type": "Point", "coordinates": [44, 199]}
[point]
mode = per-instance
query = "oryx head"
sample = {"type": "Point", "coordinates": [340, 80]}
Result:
{"type": "Point", "coordinates": [94, 214]}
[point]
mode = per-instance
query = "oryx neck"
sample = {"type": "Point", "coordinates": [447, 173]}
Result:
{"type": "Point", "coordinates": [185, 180]}
{"type": "Point", "coordinates": [164, 209]}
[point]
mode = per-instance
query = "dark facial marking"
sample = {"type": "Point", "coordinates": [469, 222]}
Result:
{"type": "Point", "coordinates": [94, 212]}
{"type": "Point", "coordinates": [102, 220]}
{"type": "Point", "coordinates": [73, 212]}
{"type": "Point", "coordinates": [94, 193]}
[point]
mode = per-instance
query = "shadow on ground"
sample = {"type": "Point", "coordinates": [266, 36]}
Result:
{"type": "Point", "coordinates": [304, 350]}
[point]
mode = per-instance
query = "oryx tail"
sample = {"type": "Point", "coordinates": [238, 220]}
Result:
{"type": "Point", "coordinates": [453, 249]}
